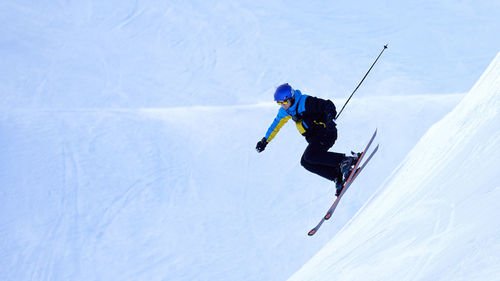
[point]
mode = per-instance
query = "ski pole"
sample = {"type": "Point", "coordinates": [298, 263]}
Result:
{"type": "Point", "coordinates": [385, 47]}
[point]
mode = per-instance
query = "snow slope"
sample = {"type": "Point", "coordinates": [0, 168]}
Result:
{"type": "Point", "coordinates": [127, 128]}
{"type": "Point", "coordinates": [436, 217]}
{"type": "Point", "coordinates": [156, 194]}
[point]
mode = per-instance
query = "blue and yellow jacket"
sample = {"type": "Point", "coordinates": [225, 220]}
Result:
{"type": "Point", "coordinates": [312, 115]}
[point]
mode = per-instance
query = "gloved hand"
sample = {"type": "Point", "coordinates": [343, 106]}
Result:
{"type": "Point", "coordinates": [261, 145]}
{"type": "Point", "coordinates": [331, 117]}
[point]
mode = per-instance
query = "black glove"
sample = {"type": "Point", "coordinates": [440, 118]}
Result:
{"type": "Point", "coordinates": [261, 145]}
{"type": "Point", "coordinates": [331, 117]}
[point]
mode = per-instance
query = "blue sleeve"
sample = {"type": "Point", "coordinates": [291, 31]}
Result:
{"type": "Point", "coordinates": [278, 122]}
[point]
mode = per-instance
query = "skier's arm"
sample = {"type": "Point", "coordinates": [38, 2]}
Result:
{"type": "Point", "coordinates": [275, 127]}
{"type": "Point", "coordinates": [278, 122]}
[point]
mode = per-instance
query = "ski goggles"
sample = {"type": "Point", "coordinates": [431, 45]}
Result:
{"type": "Point", "coordinates": [283, 102]}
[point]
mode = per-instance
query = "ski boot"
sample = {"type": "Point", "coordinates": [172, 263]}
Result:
{"type": "Point", "coordinates": [348, 163]}
{"type": "Point", "coordinates": [339, 183]}
{"type": "Point", "coordinates": [346, 167]}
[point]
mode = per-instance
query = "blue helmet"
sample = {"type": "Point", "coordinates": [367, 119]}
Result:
{"type": "Point", "coordinates": [283, 92]}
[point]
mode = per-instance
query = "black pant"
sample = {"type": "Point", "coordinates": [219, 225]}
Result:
{"type": "Point", "coordinates": [317, 159]}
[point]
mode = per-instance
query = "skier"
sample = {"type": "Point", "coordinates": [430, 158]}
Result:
{"type": "Point", "coordinates": [314, 118]}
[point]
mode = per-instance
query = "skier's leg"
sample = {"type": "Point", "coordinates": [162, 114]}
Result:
{"type": "Point", "coordinates": [324, 171]}
{"type": "Point", "coordinates": [317, 159]}
{"type": "Point", "coordinates": [317, 155]}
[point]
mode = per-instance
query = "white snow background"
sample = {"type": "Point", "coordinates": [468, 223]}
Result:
{"type": "Point", "coordinates": [128, 132]}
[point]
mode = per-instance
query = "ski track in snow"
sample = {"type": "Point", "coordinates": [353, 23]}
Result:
{"type": "Point", "coordinates": [110, 173]}
{"type": "Point", "coordinates": [98, 197]}
{"type": "Point", "coordinates": [433, 218]}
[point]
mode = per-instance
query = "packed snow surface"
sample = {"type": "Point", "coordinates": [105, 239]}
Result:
{"type": "Point", "coordinates": [128, 132]}
{"type": "Point", "coordinates": [436, 217]}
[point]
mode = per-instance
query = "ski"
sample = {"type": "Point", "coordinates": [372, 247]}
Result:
{"type": "Point", "coordinates": [354, 173]}
{"type": "Point", "coordinates": [366, 162]}
{"type": "Point", "coordinates": [334, 206]}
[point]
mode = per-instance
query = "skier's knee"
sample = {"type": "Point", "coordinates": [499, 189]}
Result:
{"type": "Point", "coordinates": [303, 162]}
